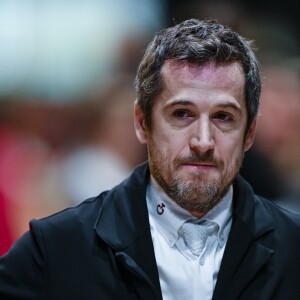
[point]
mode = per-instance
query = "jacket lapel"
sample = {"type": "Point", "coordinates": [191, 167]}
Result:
{"type": "Point", "coordinates": [125, 228]}
{"type": "Point", "coordinates": [245, 254]}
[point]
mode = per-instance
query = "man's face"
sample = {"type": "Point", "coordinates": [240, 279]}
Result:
{"type": "Point", "coordinates": [197, 140]}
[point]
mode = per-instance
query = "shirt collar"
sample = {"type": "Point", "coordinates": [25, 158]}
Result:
{"type": "Point", "coordinates": [169, 217]}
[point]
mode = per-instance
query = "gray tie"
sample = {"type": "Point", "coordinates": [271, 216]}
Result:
{"type": "Point", "coordinates": [195, 236]}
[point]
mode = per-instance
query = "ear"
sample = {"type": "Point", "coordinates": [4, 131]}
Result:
{"type": "Point", "coordinates": [139, 124]}
{"type": "Point", "coordinates": [250, 135]}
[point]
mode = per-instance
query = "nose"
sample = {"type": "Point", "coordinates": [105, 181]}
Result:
{"type": "Point", "coordinates": [202, 136]}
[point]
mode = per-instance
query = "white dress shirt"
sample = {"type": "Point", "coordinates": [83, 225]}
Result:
{"type": "Point", "coordinates": [183, 275]}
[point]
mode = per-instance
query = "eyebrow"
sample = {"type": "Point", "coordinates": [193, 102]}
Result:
{"type": "Point", "coordinates": [230, 105]}
{"type": "Point", "coordinates": [180, 102]}
{"type": "Point", "coordinates": [227, 104]}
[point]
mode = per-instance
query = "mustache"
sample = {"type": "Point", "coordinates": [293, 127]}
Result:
{"type": "Point", "coordinates": [196, 157]}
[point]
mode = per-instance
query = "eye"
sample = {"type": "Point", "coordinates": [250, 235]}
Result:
{"type": "Point", "coordinates": [182, 114]}
{"type": "Point", "coordinates": [223, 116]}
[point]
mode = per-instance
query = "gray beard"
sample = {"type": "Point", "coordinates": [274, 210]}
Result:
{"type": "Point", "coordinates": [192, 197]}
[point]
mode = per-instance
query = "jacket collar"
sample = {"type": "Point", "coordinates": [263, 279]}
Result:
{"type": "Point", "coordinates": [126, 216]}
{"type": "Point", "coordinates": [125, 207]}
{"type": "Point", "coordinates": [245, 253]}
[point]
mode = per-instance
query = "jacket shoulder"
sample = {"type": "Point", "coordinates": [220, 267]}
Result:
{"type": "Point", "coordinates": [72, 219]}
{"type": "Point", "coordinates": [280, 216]}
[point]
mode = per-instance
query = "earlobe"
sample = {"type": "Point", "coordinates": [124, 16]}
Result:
{"type": "Point", "coordinates": [250, 135]}
{"type": "Point", "coordinates": [139, 124]}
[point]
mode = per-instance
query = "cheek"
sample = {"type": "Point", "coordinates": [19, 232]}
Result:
{"type": "Point", "coordinates": [230, 148]}
{"type": "Point", "coordinates": [170, 142]}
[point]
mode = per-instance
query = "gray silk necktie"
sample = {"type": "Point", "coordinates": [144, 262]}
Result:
{"type": "Point", "coordinates": [195, 236]}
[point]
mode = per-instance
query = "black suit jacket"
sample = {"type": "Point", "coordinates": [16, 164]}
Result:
{"type": "Point", "coordinates": [102, 249]}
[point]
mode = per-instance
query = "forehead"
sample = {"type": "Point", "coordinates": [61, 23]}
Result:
{"type": "Point", "coordinates": [210, 84]}
{"type": "Point", "coordinates": [225, 75]}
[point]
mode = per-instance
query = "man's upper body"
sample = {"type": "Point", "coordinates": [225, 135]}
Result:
{"type": "Point", "coordinates": [198, 90]}
{"type": "Point", "coordinates": [102, 249]}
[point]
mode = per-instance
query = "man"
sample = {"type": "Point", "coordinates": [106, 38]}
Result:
{"type": "Point", "coordinates": [184, 225]}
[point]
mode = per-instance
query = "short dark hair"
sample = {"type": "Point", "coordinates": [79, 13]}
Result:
{"type": "Point", "coordinates": [199, 42]}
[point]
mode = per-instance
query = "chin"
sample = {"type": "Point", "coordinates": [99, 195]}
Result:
{"type": "Point", "coordinates": [200, 178]}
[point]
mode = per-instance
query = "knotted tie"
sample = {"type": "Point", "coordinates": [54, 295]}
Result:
{"type": "Point", "coordinates": [195, 236]}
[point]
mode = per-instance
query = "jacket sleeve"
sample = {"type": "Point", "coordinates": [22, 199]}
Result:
{"type": "Point", "coordinates": [22, 269]}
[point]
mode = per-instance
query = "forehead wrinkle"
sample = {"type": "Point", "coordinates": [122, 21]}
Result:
{"type": "Point", "coordinates": [187, 70]}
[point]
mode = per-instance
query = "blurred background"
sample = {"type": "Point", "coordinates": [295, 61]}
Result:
{"type": "Point", "coordinates": [66, 97]}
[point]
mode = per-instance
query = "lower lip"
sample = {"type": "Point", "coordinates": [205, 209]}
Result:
{"type": "Point", "coordinates": [199, 167]}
